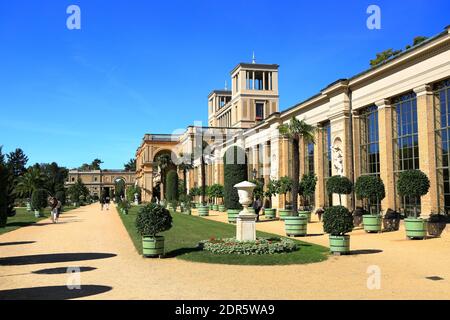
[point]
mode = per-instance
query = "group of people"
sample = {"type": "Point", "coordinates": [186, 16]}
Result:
{"type": "Point", "coordinates": [55, 206]}
{"type": "Point", "coordinates": [104, 202]}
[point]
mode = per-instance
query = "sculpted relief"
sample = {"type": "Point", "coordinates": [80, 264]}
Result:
{"type": "Point", "coordinates": [338, 156]}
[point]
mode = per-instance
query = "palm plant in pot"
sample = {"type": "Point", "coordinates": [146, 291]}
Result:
{"type": "Point", "coordinates": [308, 188]}
{"type": "Point", "coordinates": [285, 186]}
{"type": "Point", "coordinates": [273, 189]}
{"type": "Point", "coordinates": [370, 189]}
{"type": "Point", "coordinates": [151, 220]}
{"type": "Point", "coordinates": [337, 222]}
{"type": "Point", "coordinates": [413, 184]}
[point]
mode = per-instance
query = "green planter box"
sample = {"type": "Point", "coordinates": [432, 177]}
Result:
{"type": "Point", "coordinates": [372, 223]}
{"type": "Point", "coordinates": [37, 214]}
{"type": "Point", "coordinates": [232, 215]}
{"type": "Point", "coordinates": [187, 212]}
{"type": "Point", "coordinates": [222, 208]}
{"type": "Point", "coordinates": [193, 205]}
{"type": "Point", "coordinates": [415, 228]}
{"type": "Point", "coordinates": [215, 207]}
{"type": "Point", "coordinates": [203, 211]}
{"type": "Point", "coordinates": [270, 213]}
{"type": "Point", "coordinates": [153, 247]}
{"type": "Point", "coordinates": [340, 244]}
{"type": "Point", "coordinates": [306, 213]}
{"type": "Point", "coordinates": [284, 213]}
{"type": "Point", "coordinates": [296, 226]}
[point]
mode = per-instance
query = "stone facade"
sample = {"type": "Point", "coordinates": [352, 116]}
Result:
{"type": "Point", "coordinates": [381, 121]}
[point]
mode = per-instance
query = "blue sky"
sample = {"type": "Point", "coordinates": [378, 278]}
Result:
{"type": "Point", "coordinates": [147, 66]}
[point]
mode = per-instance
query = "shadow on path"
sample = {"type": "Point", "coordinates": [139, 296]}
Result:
{"type": "Point", "coordinates": [15, 243]}
{"type": "Point", "coordinates": [61, 270]}
{"type": "Point", "coordinates": [52, 293]}
{"type": "Point", "coordinates": [181, 251]}
{"type": "Point", "coordinates": [365, 251]}
{"type": "Point", "coordinates": [53, 258]}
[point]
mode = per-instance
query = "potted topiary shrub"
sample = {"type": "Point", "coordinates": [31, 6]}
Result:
{"type": "Point", "coordinates": [339, 185]}
{"type": "Point", "coordinates": [285, 186]}
{"type": "Point", "coordinates": [38, 201]}
{"type": "Point", "coordinates": [235, 171]}
{"type": "Point", "coordinates": [307, 188]}
{"type": "Point", "coordinates": [436, 224]}
{"type": "Point", "coordinates": [391, 220]}
{"type": "Point", "coordinates": [413, 184]}
{"type": "Point", "coordinates": [151, 220]}
{"type": "Point", "coordinates": [337, 222]}
{"type": "Point", "coordinates": [273, 188]}
{"type": "Point", "coordinates": [370, 189]}
{"type": "Point", "coordinates": [172, 189]}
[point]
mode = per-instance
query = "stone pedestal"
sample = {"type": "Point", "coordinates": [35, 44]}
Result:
{"type": "Point", "coordinates": [246, 226]}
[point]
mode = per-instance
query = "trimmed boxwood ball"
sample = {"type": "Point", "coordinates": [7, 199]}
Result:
{"type": "Point", "coordinates": [153, 219]}
{"type": "Point", "coordinates": [337, 221]}
{"type": "Point", "coordinates": [369, 187]}
{"type": "Point", "coordinates": [39, 199]}
{"type": "Point", "coordinates": [339, 185]}
{"type": "Point", "coordinates": [172, 186]}
{"type": "Point", "coordinates": [413, 183]}
{"type": "Point", "coordinates": [234, 172]}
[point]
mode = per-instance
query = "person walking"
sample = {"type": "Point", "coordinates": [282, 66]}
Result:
{"type": "Point", "coordinates": [58, 209]}
{"type": "Point", "coordinates": [257, 205]}
{"type": "Point", "coordinates": [107, 201]}
{"type": "Point", "coordinates": [102, 202]}
{"type": "Point", "coordinates": [53, 209]}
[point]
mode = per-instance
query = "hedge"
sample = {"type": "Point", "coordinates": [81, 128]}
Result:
{"type": "Point", "coordinates": [234, 173]}
{"type": "Point", "coordinates": [172, 186]}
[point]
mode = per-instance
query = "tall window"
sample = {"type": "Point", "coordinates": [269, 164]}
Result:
{"type": "Point", "coordinates": [406, 141]}
{"type": "Point", "coordinates": [327, 154]}
{"type": "Point", "coordinates": [442, 116]}
{"type": "Point", "coordinates": [309, 158]}
{"type": "Point", "coordinates": [369, 146]}
{"type": "Point", "coordinates": [259, 111]}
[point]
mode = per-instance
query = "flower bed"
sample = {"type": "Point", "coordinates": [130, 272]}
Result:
{"type": "Point", "coordinates": [258, 247]}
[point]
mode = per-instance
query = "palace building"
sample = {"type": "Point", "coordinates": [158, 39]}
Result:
{"type": "Point", "coordinates": [392, 117]}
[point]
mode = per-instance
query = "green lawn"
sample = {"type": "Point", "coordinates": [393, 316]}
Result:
{"type": "Point", "coordinates": [24, 218]}
{"type": "Point", "coordinates": [181, 242]}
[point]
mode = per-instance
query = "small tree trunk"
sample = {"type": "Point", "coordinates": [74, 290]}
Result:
{"type": "Point", "coordinates": [340, 201]}
{"type": "Point", "coordinates": [203, 180]}
{"type": "Point", "coordinates": [185, 182]}
{"type": "Point", "coordinates": [295, 171]}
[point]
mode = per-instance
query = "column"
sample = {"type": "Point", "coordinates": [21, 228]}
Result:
{"type": "Point", "coordinates": [318, 168]}
{"type": "Point", "coordinates": [385, 120]}
{"type": "Point", "coordinates": [427, 146]}
{"type": "Point", "coordinates": [357, 149]}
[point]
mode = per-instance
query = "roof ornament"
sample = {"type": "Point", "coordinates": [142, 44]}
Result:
{"type": "Point", "coordinates": [253, 58]}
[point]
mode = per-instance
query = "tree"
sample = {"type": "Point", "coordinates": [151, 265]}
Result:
{"type": "Point", "coordinates": [370, 188]}
{"type": "Point", "coordinates": [54, 176]}
{"type": "Point", "coordinates": [17, 161]}
{"type": "Point", "coordinates": [184, 166]}
{"type": "Point", "coordinates": [285, 186]}
{"type": "Point", "coordinates": [308, 187]}
{"type": "Point", "coordinates": [130, 165]}
{"type": "Point", "coordinates": [163, 161]}
{"type": "Point", "coordinates": [30, 181]}
{"type": "Point", "coordinates": [413, 183]}
{"type": "Point", "coordinates": [4, 176]}
{"type": "Point", "coordinates": [172, 186]}
{"type": "Point", "coordinates": [258, 192]}
{"type": "Point", "coordinates": [234, 172]}
{"type": "Point", "coordinates": [297, 130]}
{"type": "Point", "coordinates": [78, 189]}
{"type": "Point", "coordinates": [384, 56]}
{"type": "Point", "coordinates": [339, 185]}
{"type": "Point", "coordinates": [273, 188]}
{"type": "Point", "coordinates": [119, 190]}
{"type": "Point", "coordinates": [96, 164]}
{"type": "Point", "coordinates": [131, 191]}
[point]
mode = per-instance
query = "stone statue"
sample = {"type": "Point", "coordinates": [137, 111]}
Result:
{"type": "Point", "coordinates": [338, 157]}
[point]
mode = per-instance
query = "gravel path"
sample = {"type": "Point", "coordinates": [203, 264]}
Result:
{"type": "Point", "coordinates": [34, 261]}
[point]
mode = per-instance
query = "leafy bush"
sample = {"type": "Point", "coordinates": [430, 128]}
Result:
{"type": "Point", "coordinates": [413, 183]}
{"type": "Point", "coordinates": [337, 220]}
{"type": "Point", "coordinates": [131, 191]}
{"type": "Point", "coordinates": [307, 186]}
{"type": "Point", "coordinates": [285, 186]}
{"type": "Point", "coordinates": [339, 185]}
{"type": "Point", "coordinates": [273, 188]}
{"type": "Point", "coordinates": [234, 173]}
{"type": "Point", "coordinates": [437, 218]}
{"type": "Point", "coordinates": [61, 196]}
{"type": "Point", "coordinates": [258, 192]}
{"type": "Point", "coordinates": [153, 219]}
{"type": "Point", "coordinates": [370, 188]}
{"type": "Point", "coordinates": [39, 199]}
{"type": "Point", "coordinates": [258, 247]}
{"type": "Point", "coordinates": [172, 186]}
